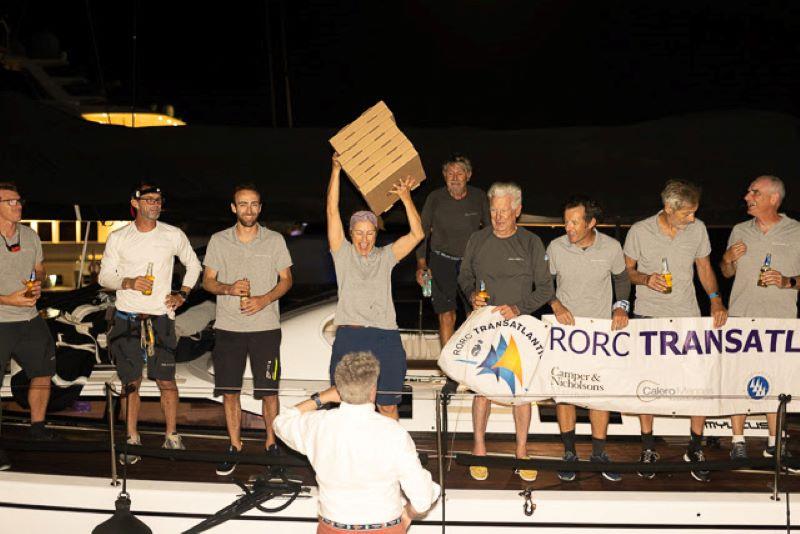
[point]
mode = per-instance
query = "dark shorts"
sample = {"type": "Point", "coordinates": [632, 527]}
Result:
{"type": "Point", "coordinates": [445, 293]}
{"type": "Point", "coordinates": [30, 344]}
{"type": "Point", "coordinates": [126, 350]}
{"type": "Point", "coordinates": [231, 350]}
{"type": "Point", "coordinates": [387, 348]}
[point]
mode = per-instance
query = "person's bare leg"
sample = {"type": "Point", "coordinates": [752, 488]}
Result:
{"type": "Point", "coordinates": [646, 422]}
{"type": "Point", "coordinates": [522, 423]}
{"type": "Point", "coordinates": [447, 325]}
{"type": "Point", "coordinates": [737, 424]}
{"type": "Point", "coordinates": [269, 410]}
{"type": "Point", "coordinates": [38, 396]}
{"type": "Point", "coordinates": [389, 410]}
{"type": "Point", "coordinates": [772, 424]}
{"type": "Point", "coordinates": [698, 424]}
{"type": "Point", "coordinates": [481, 408]}
{"type": "Point", "coordinates": [566, 416]}
{"type": "Point", "coordinates": [233, 417]}
{"type": "Point", "coordinates": [132, 405]}
{"type": "Point", "coordinates": [169, 404]}
{"type": "Point", "coordinates": [599, 420]}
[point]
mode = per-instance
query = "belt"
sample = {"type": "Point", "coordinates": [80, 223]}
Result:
{"type": "Point", "coordinates": [447, 256]}
{"type": "Point", "coordinates": [352, 326]}
{"type": "Point", "coordinates": [365, 526]}
{"type": "Point", "coordinates": [135, 316]}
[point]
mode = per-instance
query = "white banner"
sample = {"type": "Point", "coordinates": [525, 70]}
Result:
{"type": "Point", "coordinates": [496, 357]}
{"type": "Point", "coordinates": [678, 366]}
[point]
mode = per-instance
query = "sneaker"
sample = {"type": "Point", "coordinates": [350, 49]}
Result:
{"type": "Point", "coordinates": [527, 475]}
{"type": "Point", "coordinates": [479, 472]}
{"type": "Point", "coordinates": [131, 459]}
{"type": "Point", "coordinates": [226, 467]}
{"type": "Point", "coordinates": [603, 459]}
{"type": "Point", "coordinates": [568, 476]}
{"type": "Point", "coordinates": [649, 456]}
{"type": "Point", "coordinates": [174, 442]}
{"type": "Point", "coordinates": [5, 463]}
{"type": "Point", "coordinates": [700, 475]}
{"type": "Point", "coordinates": [739, 451]}
{"type": "Point", "coordinates": [770, 452]}
{"type": "Point", "coordinates": [40, 432]}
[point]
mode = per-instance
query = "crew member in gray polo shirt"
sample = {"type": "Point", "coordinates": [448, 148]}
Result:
{"type": "Point", "coordinates": [23, 333]}
{"type": "Point", "coordinates": [365, 318]}
{"type": "Point", "coordinates": [449, 216]}
{"type": "Point", "coordinates": [248, 267]}
{"type": "Point", "coordinates": [673, 233]}
{"type": "Point", "coordinates": [773, 233]}
{"type": "Point", "coordinates": [584, 263]}
{"type": "Point", "coordinates": [510, 261]}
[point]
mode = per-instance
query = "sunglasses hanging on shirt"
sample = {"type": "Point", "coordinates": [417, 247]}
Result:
{"type": "Point", "coordinates": [14, 247]}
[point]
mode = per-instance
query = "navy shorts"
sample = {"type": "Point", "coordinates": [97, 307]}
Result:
{"type": "Point", "coordinates": [386, 346]}
{"type": "Point", "coordinates": [231, 350]}
{"type": "Point", "coordinates": [30, 343]}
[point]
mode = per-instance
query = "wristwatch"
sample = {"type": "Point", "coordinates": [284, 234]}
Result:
{"type": "Point", "coordinates": [316, 399]}
{"type": "Point", "coordinates": [792, 282]}
{"type": "Point", "coordinates": [183, 294]}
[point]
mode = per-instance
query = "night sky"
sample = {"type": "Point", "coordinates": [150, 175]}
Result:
{"type": "Point", "coordinates": [483, 64]}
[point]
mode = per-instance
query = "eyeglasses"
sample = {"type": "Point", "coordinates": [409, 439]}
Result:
{"type": "Point", "coordinates": [152, 201]}
{"type": "Point", "coordinates": [14, 201]}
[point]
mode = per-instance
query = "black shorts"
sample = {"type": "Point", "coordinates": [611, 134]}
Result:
{"type": "Point", "coordinates": [445, 293]}
{"type": "Point", "coordinates": [30, 344]}
{"type": "Point", "coordinates": [231, 350]}
{"type": "Point", "coordinates": [125, 347]}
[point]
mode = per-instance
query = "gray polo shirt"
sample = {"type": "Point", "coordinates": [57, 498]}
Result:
{"type": "Point", "coordinates": [365, 287]}
{"type": "Point", "coordinates": [783, 242]}
{"type": "Point", "coordinates": [16, 267]}
{"type": "Point", "coordinates": [647, 244]}
{"type": "Point", "coordinates": [259, 261]}
{"type": "Point", "coordinates": [513, 268]}
{"type": "Point", "coordinates": [448, 222]}
{"type": "Point", "coordinates": [583, 276]}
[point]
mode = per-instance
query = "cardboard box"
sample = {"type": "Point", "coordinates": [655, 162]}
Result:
{"type": "Point", "coordinates": [375, 155]}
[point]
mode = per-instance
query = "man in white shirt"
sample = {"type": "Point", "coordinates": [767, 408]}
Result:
{"type": "Point", "coordinates": [144, 325]}
{"type": "Point", "coordinates": [362, 459]}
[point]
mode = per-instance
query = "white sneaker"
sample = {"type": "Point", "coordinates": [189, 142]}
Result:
{"type": "Point", "coordinates": [131, 459]}
{"type": "Point", "coordinates": [174, 442]}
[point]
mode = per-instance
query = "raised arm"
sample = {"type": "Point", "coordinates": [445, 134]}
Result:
{"type": "Point", "coordinates": [405, 245]}
{"type": "Point", "coordinates": [335, 228]}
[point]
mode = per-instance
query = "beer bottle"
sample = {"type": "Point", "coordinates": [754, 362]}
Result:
{"type": "Point", "coordinates": [29, 285]}
{"type": "Point", "coordinates": [767, 266]}
{"type": "Point", "coordinates": [150, 277]}
{"type": "Point", "coordinates": [667, 275]}
{"type": "Point", "coordinates": [483, 293]}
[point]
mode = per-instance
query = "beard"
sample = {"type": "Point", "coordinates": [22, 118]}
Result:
{"type": "Point", "coordinates": [247, 223]}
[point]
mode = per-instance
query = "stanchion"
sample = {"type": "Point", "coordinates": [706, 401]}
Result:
{"type": "Point", "coordinates": [783, 400]}
{"type": "Point", "coordinates": [440, 404]}
{"type": "Point", "coordinates": [110, 404]}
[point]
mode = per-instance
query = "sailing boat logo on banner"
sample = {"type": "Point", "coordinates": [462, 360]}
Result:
{"type": "Point", "coordinates": [504, 363]}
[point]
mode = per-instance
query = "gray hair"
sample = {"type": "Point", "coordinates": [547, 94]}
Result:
{"type": "Point", "coordinates": [503, 189]}
{"type": "Point", "coordinates": [776, 184]}
{"type": "Point", "coordinates": [457, 159]}
{"type": "Point", "coordinates": [680, 193]}
{"type": "Point", "coordinates": [355, 376]}
{"type": "Point", "coordinates": [359, 216]}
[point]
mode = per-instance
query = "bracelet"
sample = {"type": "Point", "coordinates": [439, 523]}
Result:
{"type": "Point", "coordinates": [623, 305]}
{"type": "Point", "coordinates": [713, 295]}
